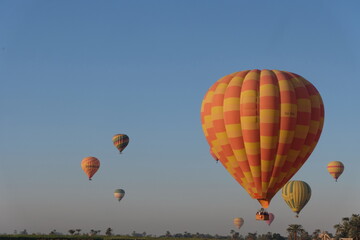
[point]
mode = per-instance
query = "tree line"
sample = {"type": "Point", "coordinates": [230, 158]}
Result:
{"type": "Point", "coordinates": [349, 227]}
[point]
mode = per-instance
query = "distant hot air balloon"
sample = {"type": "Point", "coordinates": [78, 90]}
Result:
{"type": "Point", "coordinates": [262, 125]}
{"type": "Point", "coordinates": [335, 169]}
{"type": "Point", "coordinates": [119, 194]}
{"type": "Point", "coordinates": [90, 165]}
{"type": "Point", "coordinates": [238, 222]}
{"type": "Point", "coordinates": [296, 194]}
{"type": "Point", "coordinates": [120, 141]}
{"type": "Point", "coordinates": [271, 218]}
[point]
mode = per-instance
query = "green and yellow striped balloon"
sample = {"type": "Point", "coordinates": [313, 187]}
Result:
{"type": "Point", "coordinates": [296, 194]}
{"type": "Point", "coordinates": [120, 141]}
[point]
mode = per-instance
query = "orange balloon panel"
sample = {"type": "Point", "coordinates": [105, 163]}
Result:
{"type": "Point", "coordinates": [90, 165]}
{"type": "Point", "coordinates": [262, 125]}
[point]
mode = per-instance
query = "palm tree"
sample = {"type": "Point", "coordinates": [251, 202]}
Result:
{"type": "Point", "coordinates": [251, 236]}
{"type": "Point", "coordinates": [355, 227]}
{"type": "Point", "coordinates": [343, 229]}
{"type": "Point", "coordinates": [108, 232]}
{"type": "Point", "coordinates": [186, 234]}
{"type": "Point", "coordinates": [349, 228]}
{"type": "Point", "coordinates": [304, 235]}
{"type": "Point", "coordinates": [315, 234]}
{"type": "Point", "coordinates": [78, 231]}
{"type": "Point", "coordinates": [235, 235]}
{"type": "Point", "coordinates": [267, 236]}
{"type": "Point", "coordinates": [277, 236]}
{"type": "Point", "coordinates": [293, 231]}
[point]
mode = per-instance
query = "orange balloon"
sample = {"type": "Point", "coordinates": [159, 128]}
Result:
{"type": "Point", "coordinates": [335, 168]}
{"type": "Point", "coordinates": [90, 165]}
{"type": "Point", "coordinates": [238, 222]}
{"type": "Point", "coordinates": [262, 125]}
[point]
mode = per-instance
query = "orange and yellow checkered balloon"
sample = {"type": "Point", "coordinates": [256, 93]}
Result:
{"type": "Point", "coordinates": [262, 125]}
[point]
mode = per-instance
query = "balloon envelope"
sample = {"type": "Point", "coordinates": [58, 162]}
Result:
{"type": "Point", "coordinates": [296, 194]}
{"type": "Point", "coordinates": [119, 194]}
{"type": "Point", "coordinates": [238, 222]}
{"type": "Point", "coordinates": [271, 218]}
{"type": "Point", "coordinates": [90, 165]}
{"type": "Point", "coordinates": [335, 169]}
{"type": "Point", "coordinates": [262, 125]}
{"type": "Point", "coordinates": [120, 141]}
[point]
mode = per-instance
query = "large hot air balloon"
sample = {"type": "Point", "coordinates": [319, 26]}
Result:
{"type": "Point", "coordinates": [119, 194]}
{"type": "Point", "coordinates": [120, 141]}
{"type": "Point", "coordinates": [271, 218]}
{"type": "Point", "coordinates": [90, 165]}
{"type": "Point", "coordinates": [296, 194]}
{"type": "Point", "coordinates": [263, 125]}
{"type": "Point", "coordinates": [335, 169]}
{"type": "Point", "coordinates": [238, 222]}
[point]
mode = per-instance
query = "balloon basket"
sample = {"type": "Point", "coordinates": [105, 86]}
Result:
{"type": "Point", "coordinates": [262, 217]}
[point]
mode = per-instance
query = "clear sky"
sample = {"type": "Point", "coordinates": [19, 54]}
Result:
{"type": "Point", "coordinates": [74, 73]}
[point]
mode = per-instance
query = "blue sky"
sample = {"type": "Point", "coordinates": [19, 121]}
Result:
{"type": "Point", "coordinates": [74, 73]}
